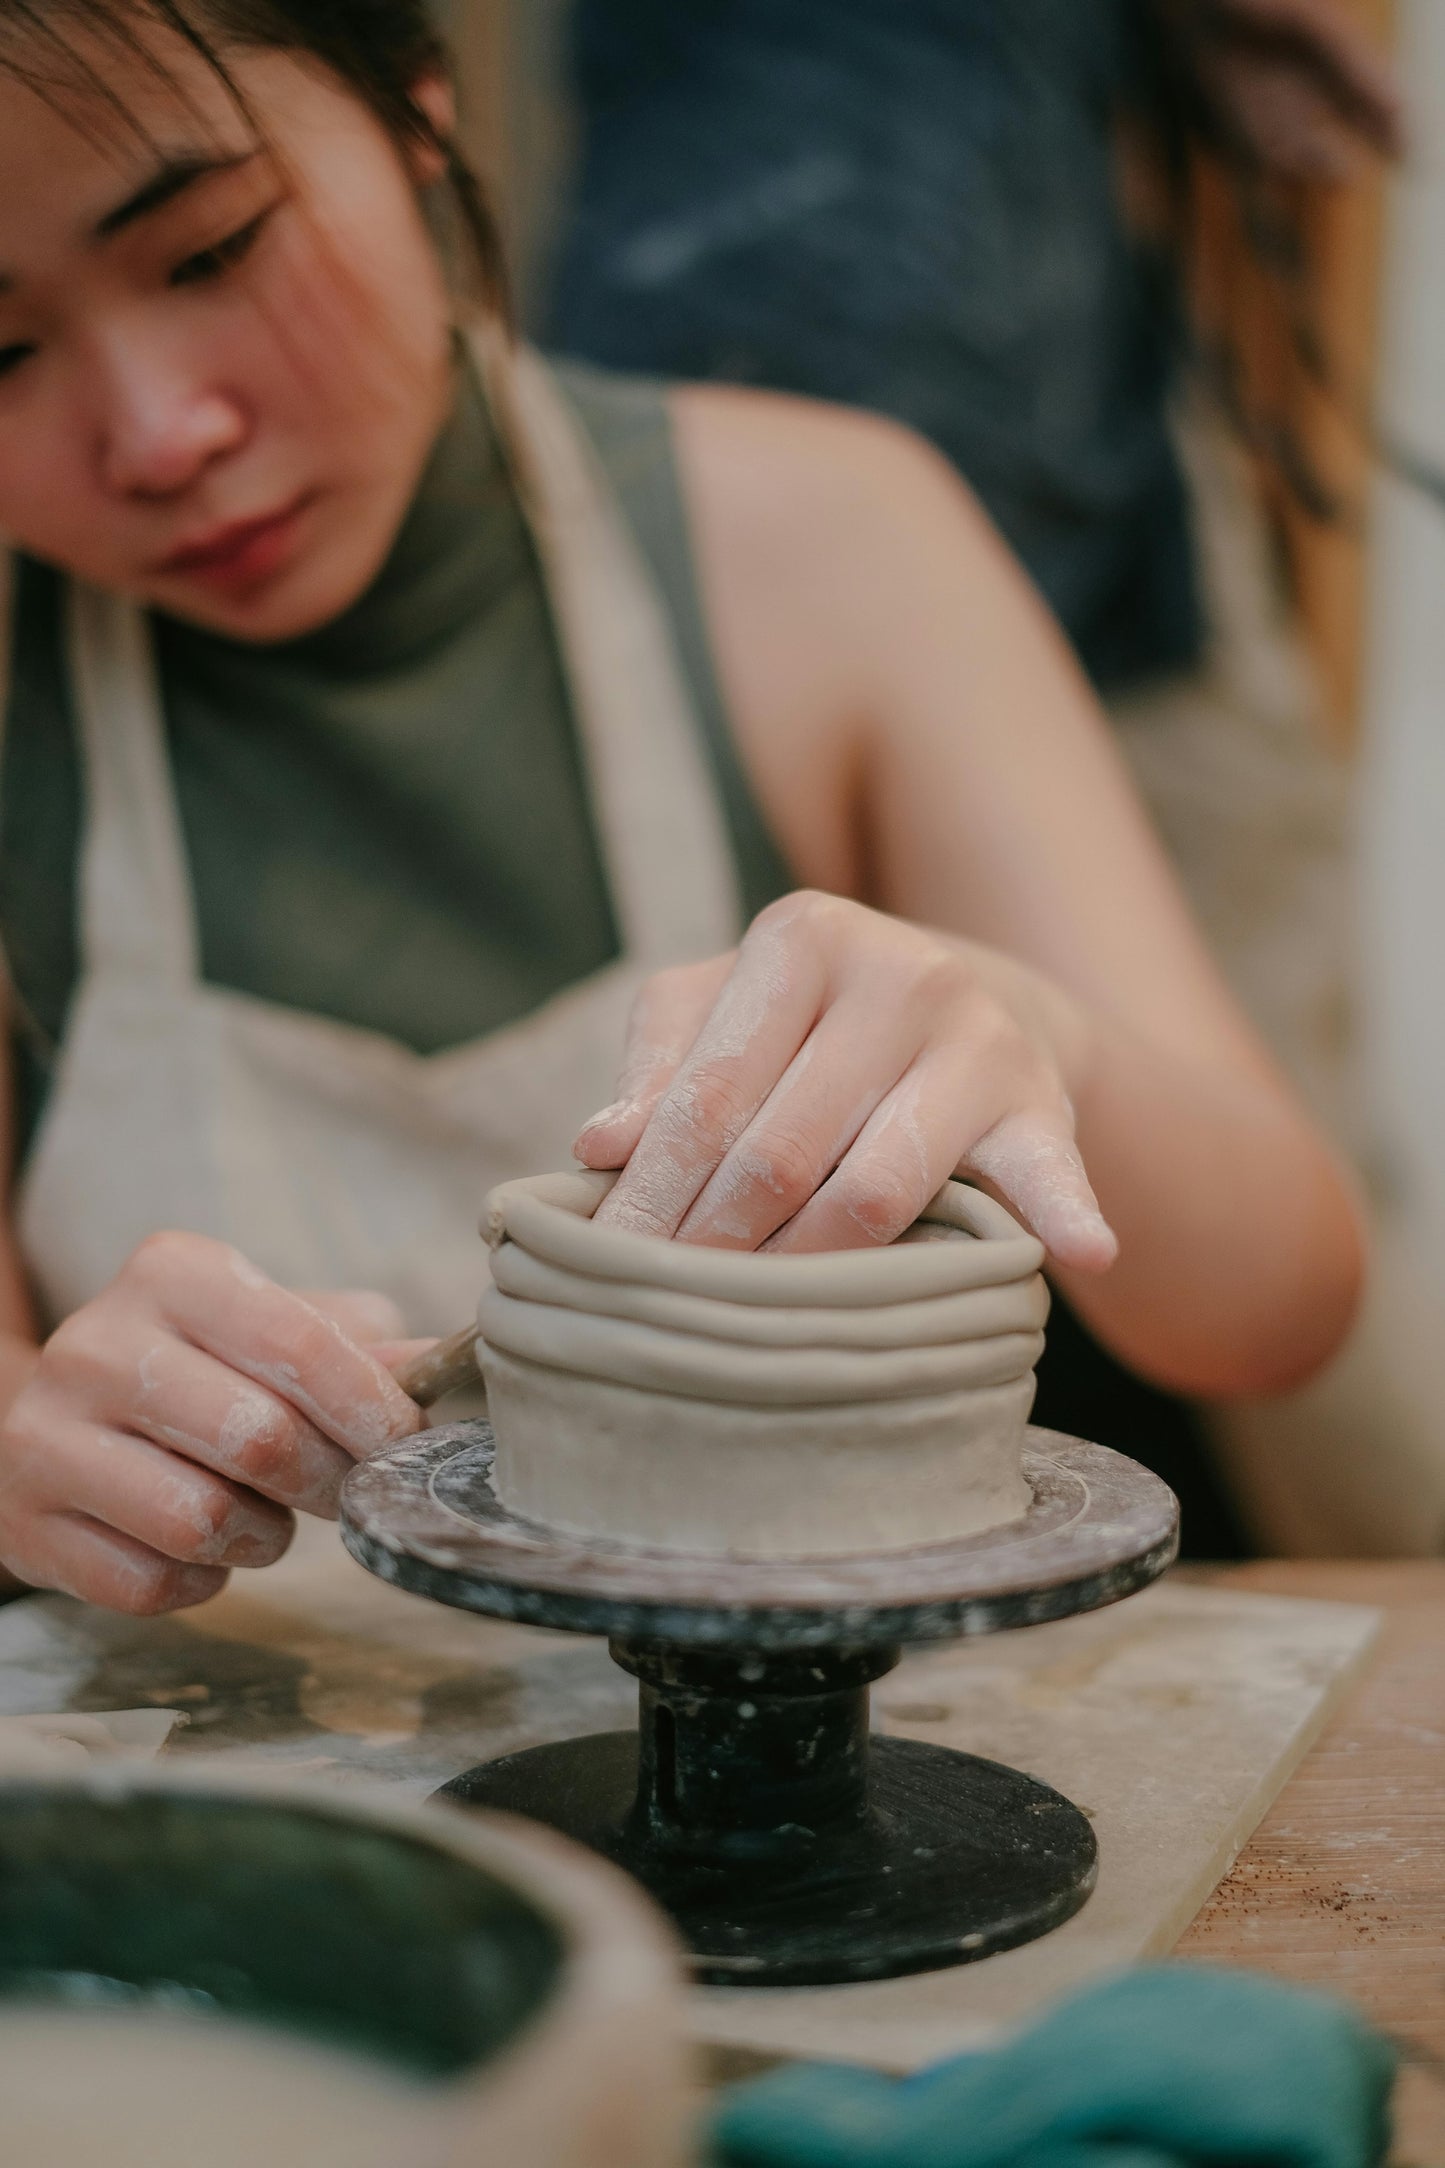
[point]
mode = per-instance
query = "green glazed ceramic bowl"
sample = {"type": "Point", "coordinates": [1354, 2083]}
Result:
{"type": "Point", "coordinates": [527, 1977]}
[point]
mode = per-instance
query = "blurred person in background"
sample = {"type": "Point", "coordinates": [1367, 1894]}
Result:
{"type": "Point", "coordinates": [923, 207]}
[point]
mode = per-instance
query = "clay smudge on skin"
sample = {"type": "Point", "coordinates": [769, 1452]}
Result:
{"type": "Point", "coordinates": [365, 1425]}
{"type": "Point", "coordinates": [760, 985]}
{"type": "Point", "coordinates": [224, 1530]}
{"type": "Point", "coordinates": [255, 1419]}
{"type": "Point", "coordinates": [681, 1147]}
{"type": "Point", "coordinates": [1044, 1176]}
{"type": "Point", "coordinates": [721, 1212]}
{"type": "Point", "coordinates": [252, 1419]}
{"type": "Point", "coordinates": [248, 1274]}
{"type": "Point", "coordinates": [662, 1180]}
{"type": "Point", "coordinates": [362, 1427]}
{"type": "Point", "coordinates": [131, 1575]}
{"type": "Point", "coordinates": [898, 1127]}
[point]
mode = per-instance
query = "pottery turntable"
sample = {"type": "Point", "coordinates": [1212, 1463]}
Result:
{"type": "Point", "coordinates": [790, 1844]}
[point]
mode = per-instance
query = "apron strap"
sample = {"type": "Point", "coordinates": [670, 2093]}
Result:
{"type": "Point", "coordinates": [136, 915]}
{"type": "Point", "coordinates": [664, 842]}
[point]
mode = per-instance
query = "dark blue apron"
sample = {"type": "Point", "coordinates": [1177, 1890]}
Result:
{"type": "Point", "coordinates": [906, 205]}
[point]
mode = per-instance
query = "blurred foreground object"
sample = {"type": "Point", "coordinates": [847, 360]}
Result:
{"type": "Point", "coordinates": [1165, 2065]}
{"type": "Point", "coordinates": [388, 1987]}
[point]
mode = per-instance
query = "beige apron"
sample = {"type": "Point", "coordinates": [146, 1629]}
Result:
{"type": "Point", "coordinates": [332, 1156]}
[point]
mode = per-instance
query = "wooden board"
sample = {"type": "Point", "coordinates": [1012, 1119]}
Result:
{"type": "Point", "coordinates": [1342, 1886]}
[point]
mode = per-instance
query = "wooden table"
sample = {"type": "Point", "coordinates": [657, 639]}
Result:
{"type": "Point", "coordinates": [1343, 1884]}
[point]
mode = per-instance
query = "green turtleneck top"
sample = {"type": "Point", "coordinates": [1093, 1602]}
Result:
{"type": "Point", "coordinates": [387, 821]}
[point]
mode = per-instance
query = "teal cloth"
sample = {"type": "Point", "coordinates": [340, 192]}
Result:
{"type": "Point", "coordinates": [1166, 2067]}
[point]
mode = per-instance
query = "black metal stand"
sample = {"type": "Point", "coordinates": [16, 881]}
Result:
{"type": "Point", "coordinates": [790, 1846]}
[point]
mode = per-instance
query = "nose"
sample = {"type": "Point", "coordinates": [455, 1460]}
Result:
{"type": "Point", "coordinates": [164, 424]}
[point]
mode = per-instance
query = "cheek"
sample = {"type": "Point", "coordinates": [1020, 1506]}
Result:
{"type": "Point", "coordinates": [47, 505]}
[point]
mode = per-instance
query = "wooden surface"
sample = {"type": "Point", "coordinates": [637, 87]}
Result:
{"type": "Point", "coordinates": [1342, 1885]}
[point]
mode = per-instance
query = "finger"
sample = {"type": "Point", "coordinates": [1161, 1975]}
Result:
{"type": "Point", "coordinates": [79, 1558]}
{"type": "Point", "coordinates": [765, 1011]}
{"type": "Point", "coordinates": [832, 1086]}
{"type": "Point", "coordinates": [666, 1018]}
{"type": "Point", "coordinates": [165, 1502]}
{"type": "Point", "coordinates": [943, 1118]}
{"type": "Point", "coordinates": [363, 1314]}
{"type": "Point", "coordinates": [214, 1297]}
{"type": "Point", "coordinates": [126, 1375]}
{"type": "Point", "coordinates": [902, 1156]}
{"type": "Point", "coordinates": [1037, 1167]}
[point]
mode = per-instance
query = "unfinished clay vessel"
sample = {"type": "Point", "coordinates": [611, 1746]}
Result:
{"type": "Point", "coordinates": [728, 1402]}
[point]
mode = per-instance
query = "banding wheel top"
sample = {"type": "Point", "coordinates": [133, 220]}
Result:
{"type": "Point", "coordinates": [423, 1515]}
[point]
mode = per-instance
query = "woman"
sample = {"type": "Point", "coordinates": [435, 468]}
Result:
{"type": "Point", "coordinates": [382, 813]}
{"type": "Point", "coordinates": [915, 206]}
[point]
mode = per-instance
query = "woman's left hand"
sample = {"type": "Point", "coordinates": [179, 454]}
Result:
{"type": "Point", "coordinates": [814, 1089]}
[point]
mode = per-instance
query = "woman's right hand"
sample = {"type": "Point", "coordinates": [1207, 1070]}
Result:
{"type": "Point", "coordinates": [173, 1427]}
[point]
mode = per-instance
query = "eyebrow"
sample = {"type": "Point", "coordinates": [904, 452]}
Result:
{"type": "Point", "coordinates": [171, 179]}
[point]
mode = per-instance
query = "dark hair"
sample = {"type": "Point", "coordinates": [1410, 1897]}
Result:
{"type": "Point", "coordinates": [381, 50]}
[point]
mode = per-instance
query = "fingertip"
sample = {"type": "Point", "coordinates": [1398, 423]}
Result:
{"type": "Point", "coordinates": [1088, 1245]}
{"type": "Point", "coordinates": [597, 1151]}
{"type": "Point", "coordinates": [607, 1139]}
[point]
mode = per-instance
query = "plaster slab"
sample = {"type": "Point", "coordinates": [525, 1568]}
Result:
{"type": "Point", "coordinates": [1173, 1718]}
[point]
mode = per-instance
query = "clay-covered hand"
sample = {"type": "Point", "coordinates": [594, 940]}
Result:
{"type": "Point", "coordinates": [173, 1427]}
{"type": "Point", "coordinates": [1297, 84]}
{"type": "Point", "coordinates": [815, 1089]}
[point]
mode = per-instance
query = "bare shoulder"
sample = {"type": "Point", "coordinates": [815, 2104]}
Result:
{"type": "Point", "coordinates": [812, 526]}
{"type": "Point", "coordinates": [775, 471]}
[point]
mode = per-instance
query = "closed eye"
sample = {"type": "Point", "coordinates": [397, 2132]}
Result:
{"type": "Point", "coordinates": [212, 263]}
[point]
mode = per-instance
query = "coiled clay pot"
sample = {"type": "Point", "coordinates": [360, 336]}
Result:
{"type": "Point", "coordinates": [726, 1402]}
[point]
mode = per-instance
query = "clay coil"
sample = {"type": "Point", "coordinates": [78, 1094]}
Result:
{"type": "Point", "coordinates": [941, 1321]}
{"type": "Point", "coordinates": [551, 1217]}
{"type": "Point", "coordinates": [704, 1367]}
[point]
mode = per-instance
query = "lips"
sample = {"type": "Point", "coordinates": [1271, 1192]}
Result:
{"type": "Point", "coordinates": [242, 553]}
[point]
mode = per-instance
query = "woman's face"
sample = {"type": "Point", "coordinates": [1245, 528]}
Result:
{"type": "Point", "coordinates": [223, 360]}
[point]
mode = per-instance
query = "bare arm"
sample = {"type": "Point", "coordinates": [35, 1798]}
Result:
{"type": "Point", "coordinates": [921, 739]}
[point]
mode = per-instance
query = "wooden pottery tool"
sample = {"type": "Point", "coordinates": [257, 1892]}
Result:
{"type": "Point", "coordinates": [789, 1844]}
{"type": "Point", "coordinates": [444, 1369]}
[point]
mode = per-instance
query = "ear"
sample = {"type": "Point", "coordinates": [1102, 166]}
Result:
{"type": "Point", "coordinates": [434, 94]}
